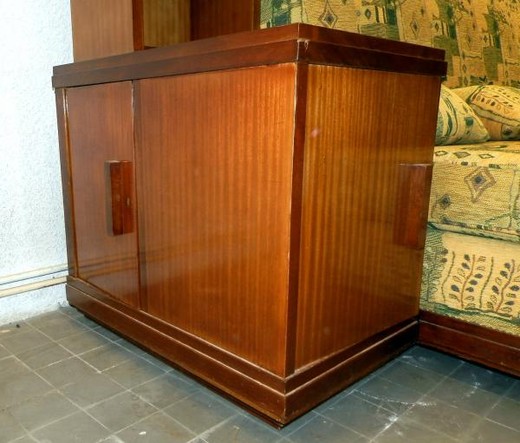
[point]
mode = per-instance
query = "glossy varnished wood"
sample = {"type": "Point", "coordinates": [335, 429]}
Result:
{"type": "Point", "coordinates": [470, 341]}
{"type": "Point", "coordinates": [100, 128]}
{"type": "Point", "coordinates": [215, 193]}
{"type": "Point", "coordinates": [268, 189]}
{"type": "Point", "coordinates": [219, 17]}
{"type": "Point", "coordinates": [102, 28]}
{"type": "Point", "coordinates": [357, 135]}
{"type": "Point", "coordinates": [294, 43]}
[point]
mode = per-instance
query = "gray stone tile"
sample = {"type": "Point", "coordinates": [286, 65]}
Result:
{"type": "Point", "coordinates": [200, 412]}
{"type": "Point", "coordinates": [432, 360]}
{"type": "Point", "coordinates": [4, 352]}
{"type": "Point", "coordinates": [56, 325]}
{"type": "Point", "coordinates": [321, 429]}
{"type": "Point", "coordinates": [158, 428]}
{"type": "Point", "coordinates": [121, 411]}
{"type": "Point", "coordinates": [241, 429]}
{"type": "Point", "coordinates": [25, 439]}
{"type": "Point", "coordinates": [464, 395]}
{"type": "Point", "coordinates": [490, 432]}
{"type": "Point", "coordinates": [66, 372]}
{"type": "Point", "coordinates": [84, 341]}
{"type": "Point", "coordinates": [514, 391]}
{"type": "Point", "coordinates": [11, 366]}
{"type": "Point", "coordinates": [20, 388]}
{"type": "Point", "coordinates": [10, 429]}
{"type": "Point", "coordinates": [507, 413]}
{"type": "Point", "coordinates": [44, 355]}
{"type": "Point", "coordinates": [404, 430]}
{"type": "Point", "coordinates": [92, 388]}
{"type": "Point", "coordinates": [165, 390]}
{"type": "Point", "coordinates": [10, 329]}
{"type": "Point", "coordinates": [78, 427]}
{"type": "Point", "coordinates": [442, 417]}
{"type": "Point", "coordinates": [360, 415]}
{"type": "Point", "coordinates": [38, 411]}
{"type": "Point", "coordinates": [106, 356]}
{"type": "Point", "coordinates": [483, 378]}
{"type": "Point", "coordinates": [24, 341]}
{"type": "Point", "coordinates": [134, 372]}
{"type": "Point", "coordinates": [388, 395]}
{"type": "Point", "coordinates": [411, 376]}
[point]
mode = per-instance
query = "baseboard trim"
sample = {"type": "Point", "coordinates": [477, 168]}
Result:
{"type": "Point", "coordinates": [481, 345]}
{"type": "Point", "coordinates": [275, 399]}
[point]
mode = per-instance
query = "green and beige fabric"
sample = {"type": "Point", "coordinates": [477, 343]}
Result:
{"type": "Point", "coordinates": [472, 254]}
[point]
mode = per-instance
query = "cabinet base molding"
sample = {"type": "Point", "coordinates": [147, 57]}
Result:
{"type": "Point", "coordinates": [472, 342]}
{"type": "Point", "coordinates": [277, 400]}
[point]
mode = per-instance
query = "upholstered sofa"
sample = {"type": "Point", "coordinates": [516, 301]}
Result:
{"type": "Point", "coordinates": [470, 296]}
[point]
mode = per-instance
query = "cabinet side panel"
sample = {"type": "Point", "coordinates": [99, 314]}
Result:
{"type": "Point", "coordinates": [101, 28]}
{"type": "Point", "coordinates": [215, 165]}
{"type": "Point", "coordinates": [100, 131]}
{"type": "Point", "coordinates": [355, 279]}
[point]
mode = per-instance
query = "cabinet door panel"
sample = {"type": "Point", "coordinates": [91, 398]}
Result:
{"type": "Point", "coordinates": [214, 171]}
{"type": "Point", "coordinates": [103, 193]}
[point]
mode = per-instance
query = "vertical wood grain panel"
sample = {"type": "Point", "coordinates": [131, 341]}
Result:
{"type": "Point", "coordinates": [166, 22]}
{"type": "Point", "coordinates": [214, 172]}
{"type": "Point", "coordinates": [104, 260]}
{"type": "Point", "coordinates": [219, 17]}
{"type": "Point", "coordinates": [354, 280]}
{"type": "Point", "coordinates": [101, 28]}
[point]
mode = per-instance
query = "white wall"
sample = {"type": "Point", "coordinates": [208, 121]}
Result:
{"type": "Point", "coordinates": [35, 36]}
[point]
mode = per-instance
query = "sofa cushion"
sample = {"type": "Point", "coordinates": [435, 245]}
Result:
{"type": "Point", "coordinates": [473, 279]}
{"type": "Point", "coordinates": [497, 106]}
{"type": "Point", "coordinates": [457, 122]}
{"type": "Point", "coordinates": [476, 189]}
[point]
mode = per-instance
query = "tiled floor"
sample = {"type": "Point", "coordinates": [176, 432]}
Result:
{"type": "Point", "coordinates": [65, 379]}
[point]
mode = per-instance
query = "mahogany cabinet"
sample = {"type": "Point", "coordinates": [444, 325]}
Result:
{"type": "Point", "coordinates": [252, 208]}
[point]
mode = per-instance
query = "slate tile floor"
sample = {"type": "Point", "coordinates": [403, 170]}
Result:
{"type": "Point", "coordinates": [65, 379]}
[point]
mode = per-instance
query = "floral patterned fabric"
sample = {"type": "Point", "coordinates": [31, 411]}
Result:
{"type": "Point", "coordinates": [473, 279]}
{"type": "Point", "coordinates": [481, 38]}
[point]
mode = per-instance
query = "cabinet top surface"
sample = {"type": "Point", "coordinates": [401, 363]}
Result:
{"type": "Point", "coordinates": [293, 43]}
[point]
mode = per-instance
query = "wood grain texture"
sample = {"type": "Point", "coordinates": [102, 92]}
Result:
{"type": "Point", "coordinates": [219, 17]}
{"type": "Point", "coordinates": [215, 197]}
{"type": "Point", "coordinates": [108, 262]}
{"type": "Point", "coordinates": [101, 28]}
{"type": "Point", "coordinates": [165, 22]}
{"type": "Point", "coordinates": [354, 279]}
{"type": "Point", "coordinates": [472, 342]}
{"type": "Point", "coordinates": [66, 180]}
{"type": "Point", "coordinates": [298, 42]}
{"type": "Point", "coordinates": [414, 183]}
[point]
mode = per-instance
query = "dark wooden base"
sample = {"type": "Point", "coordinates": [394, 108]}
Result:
{"type": "Point", "coordinates": [472, 342]}
{"type": "Point", "coordinates": [275, 399]}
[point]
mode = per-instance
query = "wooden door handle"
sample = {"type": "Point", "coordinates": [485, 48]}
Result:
{"type": "Point", "coordinates": [412, 205]}
{"type": "Point", "coordinates": [119, 192]}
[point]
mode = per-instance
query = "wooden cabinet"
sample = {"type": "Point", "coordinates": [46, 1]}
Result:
{"type": "Point", "coordinates": [278, 185]}
{"type": "Point", "coordinates": [102, 28]}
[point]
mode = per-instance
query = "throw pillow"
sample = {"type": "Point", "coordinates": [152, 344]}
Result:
{"type": "Point", "coordinates": [497, 106]}
{"type": "Point", "coordinates": [456, 122]}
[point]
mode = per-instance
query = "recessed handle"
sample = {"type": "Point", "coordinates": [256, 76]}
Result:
{"type": "Point", "coordinates": [412, 205]}
{"type": "Point", "coordinates": [119, 193]}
